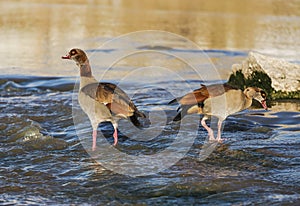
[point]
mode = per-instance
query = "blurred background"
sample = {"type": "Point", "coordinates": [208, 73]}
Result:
{"type": "Point", "coordinates": [34, 34]}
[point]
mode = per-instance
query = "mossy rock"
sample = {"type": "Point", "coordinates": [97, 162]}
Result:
{"type": "Point", "coordinates": [286, 95]}
{"type": "Point", "coordinates": [261, 80]}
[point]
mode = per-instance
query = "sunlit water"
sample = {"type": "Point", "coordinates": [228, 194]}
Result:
{"type": "Point", "coordinates": [44, 161]}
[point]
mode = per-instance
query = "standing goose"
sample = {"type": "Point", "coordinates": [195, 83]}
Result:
{"type": "Point", "coordinates": [102, 101]}
{"type": "Point", "coordinates": [219, 100]}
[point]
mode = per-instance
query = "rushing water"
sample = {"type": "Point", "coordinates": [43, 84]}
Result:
{"type": "Point", "coordinates": [43, 161]}
{"type": "Point", "coordinates": [45, 158]}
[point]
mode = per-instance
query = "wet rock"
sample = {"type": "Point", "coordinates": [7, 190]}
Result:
{"type": "Point", "coordinates": [45, 143]}
{"type": "Point", "coordinates": [32, 139]}
{"type": "Point", "coordinates": [279, 78]}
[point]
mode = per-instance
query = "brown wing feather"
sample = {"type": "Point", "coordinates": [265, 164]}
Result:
{"type": "Point", "coordinates": [194, 97]}
{"type": "Point", "coordinates": [201, 94]}
{"type": "Point", "coordinates": [218, 89]}
{"type": "Point", "coordinates": [111, 95]}
{"type": "Point", "coordinates": [119, 109]}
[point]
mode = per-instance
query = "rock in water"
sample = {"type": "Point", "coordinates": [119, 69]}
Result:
{"type": "Point", "coordinates": [32, 139]}
{"type": "Point", "coordinates": [281, 79]}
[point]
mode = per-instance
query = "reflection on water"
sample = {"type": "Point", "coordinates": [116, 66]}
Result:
{"type": "Point", "coordinates": [36, 34]}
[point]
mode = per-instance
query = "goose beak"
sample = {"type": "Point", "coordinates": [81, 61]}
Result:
{"type": "Point", "coordinates": [264, 104]}
{"type": "Point", "coordinates": [66, 57]}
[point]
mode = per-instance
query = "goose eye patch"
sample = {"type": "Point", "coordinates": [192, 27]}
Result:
{"type": "Point", "coordinates": [73, 52]}
{"type": "Point", "coordinates": [263, 94]}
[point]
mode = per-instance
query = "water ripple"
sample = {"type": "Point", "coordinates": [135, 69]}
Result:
{"type": "Point", "coordinates": [44, 162]}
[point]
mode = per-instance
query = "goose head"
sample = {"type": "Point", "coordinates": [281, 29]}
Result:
{"type": "Point", "coordinates": [77, 55]}
{"type": "Point", "coordinates": [257, 94]}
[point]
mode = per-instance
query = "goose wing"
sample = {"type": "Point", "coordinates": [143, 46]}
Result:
{"type": "Point", "coordinates": [198, 96]}
{"type": "Point", "coordinates": [116, 100]}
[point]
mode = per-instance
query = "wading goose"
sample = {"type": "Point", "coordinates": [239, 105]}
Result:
{"type": "Point", "coordinates": [102, 102]}
{"type": "Point", "coordinates": [219, 100]}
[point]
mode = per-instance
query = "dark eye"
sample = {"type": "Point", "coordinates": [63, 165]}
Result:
{"type": "Point", "coordinates": [73, 52]}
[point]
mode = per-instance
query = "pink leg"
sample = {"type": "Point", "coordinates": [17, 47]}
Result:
{"type": "Point", "coordinates": [115, 137]}
{"type": "Point", "coordinates": [219, 139]}
{"type": "Point", "coordinates": [94, 140]}
{"type": "Point", "coordinates": [209, 130]}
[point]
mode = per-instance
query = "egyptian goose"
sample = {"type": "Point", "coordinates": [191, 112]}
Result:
{"type": "Point", "coordinates": [103, 101]}
{"type": "Point", "coordinates": [219, 100]}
